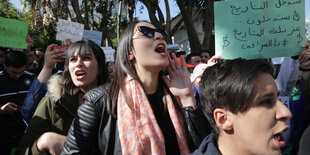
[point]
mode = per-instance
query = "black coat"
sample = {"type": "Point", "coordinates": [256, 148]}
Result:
{"type": "Point", "coordinates": [85, 138]}
{"type": "Point", "coordinates": [207, 147]}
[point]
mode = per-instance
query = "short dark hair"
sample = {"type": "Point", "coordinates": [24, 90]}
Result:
{"type": "Point", "coordinates": [229, 85]}
{"type": "Point", "coordinates": [15, 59]}
{"type": "Point", "coordinates": [178, 54]}
{"type": "Point", "coordinates": [3, 49]}
{"type": "Point", "coordinates": [206, 51]}
{"type": "Point", "coordinates": [188, 58]}
{"type": "Point", "coordinates": [81, 48]}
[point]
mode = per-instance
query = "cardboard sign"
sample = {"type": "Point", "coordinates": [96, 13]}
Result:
{"type": "Point", "coordinates": [173, 47]}
{"type": "Point", "coordinates": [69, 30]}
{"type": "Point", "coordinates": [13, 33]}
{"type": "Point", "coordinates": [95, 36]}
{"type": "Point", "coordinates": [109, 53]}
{"type": "Point", "coordinates": [259, 28]}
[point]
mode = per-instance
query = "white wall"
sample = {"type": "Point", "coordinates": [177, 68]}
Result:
{"type": "Point", "coordinates": [180, 36]}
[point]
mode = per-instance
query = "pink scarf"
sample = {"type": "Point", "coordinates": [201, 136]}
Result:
{"type": "Point", "coordinates": [138, 129]}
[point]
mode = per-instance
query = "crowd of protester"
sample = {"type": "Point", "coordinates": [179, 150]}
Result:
{"type": "Point", "coordinates": [150, 101]}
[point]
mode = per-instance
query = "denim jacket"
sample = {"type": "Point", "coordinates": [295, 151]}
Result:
{"type": "Point", "coordinates": [35, 93]}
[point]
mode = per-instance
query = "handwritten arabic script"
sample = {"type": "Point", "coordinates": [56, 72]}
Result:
{"type": "Point", "coordinates": [259, 28]}
{"type": "Point", "coordinates": [13, 33]}
{"type": "Point", "coordinates": [69, 30]}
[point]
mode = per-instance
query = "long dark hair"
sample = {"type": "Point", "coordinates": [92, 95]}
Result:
{"type": "Point", "coordinates": [81, 48]}
{"type": "Point", "coordinates": [124, 67]}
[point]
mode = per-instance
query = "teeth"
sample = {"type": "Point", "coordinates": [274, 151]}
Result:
{"type": "Point", "coordinates": [80, 73]}
{"type": "Point", "coordinates": [161, 46]}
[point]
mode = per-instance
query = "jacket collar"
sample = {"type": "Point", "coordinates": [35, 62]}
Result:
{"type": "Point", "coordinates": [65, 104]}
{"type": "Point", "coordinates": [208, 146]}
{"type": "Point", "coordinates": [54, 87]}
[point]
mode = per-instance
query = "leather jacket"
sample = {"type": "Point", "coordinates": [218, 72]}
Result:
{"type": "Point", "coordinates": [94, 131]}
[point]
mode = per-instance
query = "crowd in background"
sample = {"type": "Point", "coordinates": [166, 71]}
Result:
{"type": "Point", "coordinates": [150, 101]}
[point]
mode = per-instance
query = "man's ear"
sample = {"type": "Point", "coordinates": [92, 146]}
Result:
{"type": "Point", "coordinates": [223, 119]}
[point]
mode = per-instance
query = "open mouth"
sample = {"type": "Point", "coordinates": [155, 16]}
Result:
{"type": "Point", "coordinates": [160, 49]}
{"type": "Point", "coordinates": [279, 139]}
{"type": "Point", "coordinates": [80, 74]}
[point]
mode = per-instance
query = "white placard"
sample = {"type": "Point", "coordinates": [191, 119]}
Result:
{"type": "Point", "coordinates": [109, 53]}
{"type": "Point", "coordinates": [173, 47]}
{"type": "Point", "coordinates": [69, 30]}
{"type": "Point", "coordinates": [278, 60]}
{"type": "Point", "coordinates": [94, 36]}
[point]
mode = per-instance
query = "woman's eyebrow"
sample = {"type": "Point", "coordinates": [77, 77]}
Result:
{"type": "Point", "coordinates": [268, 94]}
{"type": "Point", "coordinates": [87, 54]}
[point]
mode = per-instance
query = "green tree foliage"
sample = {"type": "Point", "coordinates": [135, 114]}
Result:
{"type": "Point", "coordinates": [7, 10]}
{"type": "Point", "coordinates": [41, 36]}
{"type": "Point", "coordinates": [101, 15]}
{"type": "Point", "coordinates": [98, 15]}
{"type": "Point", "coordinates": [156, 16]}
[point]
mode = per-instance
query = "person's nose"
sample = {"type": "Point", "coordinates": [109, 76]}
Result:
{"type": "Point", "coordinates": [283, 113]}
{"type": "Point", "coordinates": [158, 36]}
{"type": "Point", "coordinates": [79, 62]}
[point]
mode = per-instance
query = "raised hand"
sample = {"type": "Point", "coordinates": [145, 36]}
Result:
{"type": "Point", "coordinates": [304, 57]}
{"type": "Point", "coordinates": [179, 82]}
{"type": "Point", "coordinates": [212, 61]}
{"type": "Point", "coordinates": [51, 56]}
{"type": "Point", "coordinates": [50, 59]}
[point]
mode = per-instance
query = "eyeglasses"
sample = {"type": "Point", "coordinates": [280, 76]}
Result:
{"type": "Point", "coordinates": [150, 33]}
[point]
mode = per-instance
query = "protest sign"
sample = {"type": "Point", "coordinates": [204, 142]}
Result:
{"type": "Point", "coordinates": [95, 36]}
{"type": "Point", "coordinates": [259, 28]}
{"type": "Point", "coordinates": [13, 33]}
{"type": "Point", "coordinates": [172, 47]}
{"type": "Point", "coordinates": [109, 53]}
{"type": "Point", "coordinates": [69, 30]}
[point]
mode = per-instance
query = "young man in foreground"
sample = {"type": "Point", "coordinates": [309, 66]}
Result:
{"type": "Point", "coordinates": [240, 99]}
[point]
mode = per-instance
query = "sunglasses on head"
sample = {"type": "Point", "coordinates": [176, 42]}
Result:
{"type": "Point", "coordinates": [150, 33]}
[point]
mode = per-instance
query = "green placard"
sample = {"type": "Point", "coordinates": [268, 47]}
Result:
{"type": "Point", "coordinates": [13, 33]}
{"type": "Point", "coordinates": [253, 29]}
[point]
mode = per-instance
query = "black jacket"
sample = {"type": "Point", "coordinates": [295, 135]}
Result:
{"type": "Point", "coordinates": [208, 146]}
{"type": "Point", "coordinates": [12, 126]}
{"type": "Point", "coordinates": [85, 138]}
